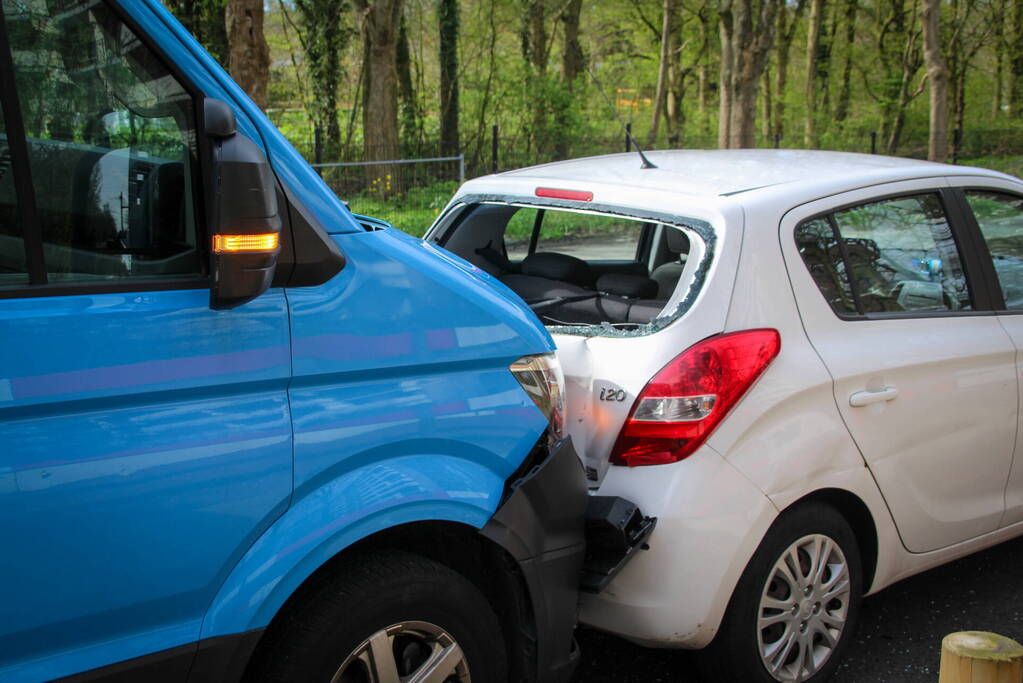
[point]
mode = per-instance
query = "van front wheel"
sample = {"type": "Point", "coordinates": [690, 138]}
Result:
{"type": "Point", "coordinates": [387, 616]}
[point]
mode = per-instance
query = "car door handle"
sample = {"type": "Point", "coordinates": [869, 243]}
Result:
{"type": "Point", "coordinates": [865, 398]}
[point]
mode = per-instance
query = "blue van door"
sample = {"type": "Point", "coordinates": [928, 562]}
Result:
{"type": "Point", "coordinates": [145, 440]}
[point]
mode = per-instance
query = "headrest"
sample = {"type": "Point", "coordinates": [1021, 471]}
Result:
{"type": "Point", "coordinates": [629, 286]}
{"type": "Point", "coordinates": [561, 267]}
{"type": "Point", "coordinates": [676, 240]}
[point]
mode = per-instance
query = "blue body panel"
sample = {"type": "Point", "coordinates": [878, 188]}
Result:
{"type": "Point", "coordinates": [146, 444]}
{"type": "Point", "coordinates": [170, 473]}
{"type": "Point", "coordinates": [404, 410]}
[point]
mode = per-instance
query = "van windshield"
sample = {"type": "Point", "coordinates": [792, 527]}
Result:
{"type": "Point", "coordinates": [586, 272]}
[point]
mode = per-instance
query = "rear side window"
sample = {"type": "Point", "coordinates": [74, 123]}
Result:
{"type": "Point", "coordinates": [590, 237]}
{"type": "Point", "coordinates": [1000, 218]}
{"type": "Point", "coordinates": [892, 256]}
{"type": "Point", "coordinates": [111, 146]}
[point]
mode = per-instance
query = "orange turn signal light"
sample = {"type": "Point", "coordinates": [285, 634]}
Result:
{"type": "Point", "coordinates": [233, 244]}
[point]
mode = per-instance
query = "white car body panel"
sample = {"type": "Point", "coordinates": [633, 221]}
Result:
{"type": "Point", "coordinates": [947, 437]}
{"type": "Point", "coordinates": [1012, 322]}
{"type": "Point", "coordinates": [941, 450]}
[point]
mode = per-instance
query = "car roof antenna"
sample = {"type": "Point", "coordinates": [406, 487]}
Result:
{"type": "Point", "coordinates": [646, 162]}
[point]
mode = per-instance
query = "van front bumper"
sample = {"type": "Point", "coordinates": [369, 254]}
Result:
{"type": "Point", "coordinates": [560, 536]}
{"type": "Point", "coordinates": [541, 525]}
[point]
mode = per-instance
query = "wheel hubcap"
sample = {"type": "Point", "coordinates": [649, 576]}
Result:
{"type": "Point", "coordinates": [409, 652]}
{"type": "Point", "coordinates": [803, 608]}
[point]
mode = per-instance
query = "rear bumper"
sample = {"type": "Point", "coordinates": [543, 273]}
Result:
{"type": "Point", "coordinates": [541, 524]}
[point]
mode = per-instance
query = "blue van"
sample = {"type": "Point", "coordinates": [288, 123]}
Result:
{"type": "Point", "coordinates": [242, 433]}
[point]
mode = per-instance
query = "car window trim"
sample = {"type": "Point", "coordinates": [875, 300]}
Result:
{"type": "Point", "coordinates": [39, 284]}
{"type": "Point", "coordinates": [980, 298]}
{"type": "Point", "coordinates": [843, 249]}
{"type": "Point", "coordinates": [534, 237]}
{"type": "Point", "coordinates": [983, 253]}
{"type": "Point", "coordinates": [27, 213]}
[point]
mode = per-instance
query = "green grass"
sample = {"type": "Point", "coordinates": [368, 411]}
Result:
{"type": "Point", "coordinates": [414, 212]}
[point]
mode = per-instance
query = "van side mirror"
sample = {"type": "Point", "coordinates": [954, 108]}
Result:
{"type": "Point", "coordinates": [244, 219]}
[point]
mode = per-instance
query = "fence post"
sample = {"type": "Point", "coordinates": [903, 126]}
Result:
{"type": "Point", "coordinates": [873, 142]}
{"type": "Point", "coordinates": [980, 657]}
{"type": "Point", "coordinates": [957, 140]}
{"type": "Point", "coordinates": [317, 146]}
{"type": "Point", "coordinates": [777, 140]}
{"type": "Point", "coordinates": [493, 148]}
{"type": "Point", "coordinates": [628, 136]}
{"type": "Point", "coordinates": [461, 168]}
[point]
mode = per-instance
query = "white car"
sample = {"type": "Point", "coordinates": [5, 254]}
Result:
{"type": "Point", "coordinates": [803, 364]}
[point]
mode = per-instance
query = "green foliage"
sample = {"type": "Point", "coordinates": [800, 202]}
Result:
{"type": "Point", "coordinates": [205, 19]}
{"type": "Point", "coordinates": [1013, 165]}
{"type": "Point", "coordinates": [413, 213]}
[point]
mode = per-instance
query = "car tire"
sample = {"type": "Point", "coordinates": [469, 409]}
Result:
{"type": "Point", "coordinates": [807, 621]}
{"type": "Point", "coordinates": [390, 613]}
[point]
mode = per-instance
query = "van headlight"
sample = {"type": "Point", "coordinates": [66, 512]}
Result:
{"type": "Point", "coordinates": [543, 380]}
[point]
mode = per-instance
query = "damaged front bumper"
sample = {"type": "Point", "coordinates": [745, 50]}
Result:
{"type": "Point", "coordinates": [559, 535]}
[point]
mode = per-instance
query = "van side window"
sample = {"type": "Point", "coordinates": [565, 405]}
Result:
{"type": "Point", "coordinates": [1000, 218]}
{"type": "Point", "coordinates": [13, 260]}
{"type": "Point", "coordinates": [111, 144]}
{"type": "Point", "coordinates": [896, 255]}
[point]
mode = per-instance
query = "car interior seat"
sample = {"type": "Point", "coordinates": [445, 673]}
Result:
{"type": "Point", "coordinates": [668, 274]}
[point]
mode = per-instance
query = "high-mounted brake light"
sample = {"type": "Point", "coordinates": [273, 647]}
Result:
{"type": "Point", "coordinates": [682, 405]}
{"type": "Point", "coordinates": [233, 244]}
{"type": "Point", "coordinates": [554, 193]}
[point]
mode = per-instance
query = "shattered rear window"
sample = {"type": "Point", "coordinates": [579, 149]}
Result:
{"type": "Point", "coordinates": [584, 269]}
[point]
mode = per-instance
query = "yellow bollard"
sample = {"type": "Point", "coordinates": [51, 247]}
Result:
{"type": "Point", "coordinates": [980, 657]}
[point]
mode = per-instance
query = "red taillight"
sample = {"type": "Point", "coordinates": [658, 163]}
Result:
{"type": "Point", "coordinates": [680, 407]}
{"type": "Point", "coordinates": [555, 193]}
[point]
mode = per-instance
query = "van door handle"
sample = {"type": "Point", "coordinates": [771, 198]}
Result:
{"type": "Point", "coordinates": [865, 398]}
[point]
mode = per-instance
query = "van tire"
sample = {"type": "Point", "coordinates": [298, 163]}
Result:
{"type": "Point", "coordinates": [736, 652]}
{"type": "Point", "coordinates": [423, 605]}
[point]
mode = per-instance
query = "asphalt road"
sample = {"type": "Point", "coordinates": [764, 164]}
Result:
{"type": "Point", "coordinates": [900, 631]}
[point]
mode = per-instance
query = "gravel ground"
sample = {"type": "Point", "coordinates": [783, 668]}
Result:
{"type": "Point", "coordinates": [900, 632]}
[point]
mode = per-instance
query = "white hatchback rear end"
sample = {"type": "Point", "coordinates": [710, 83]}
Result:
{"type": "Point", "coordinates": [797, 411]}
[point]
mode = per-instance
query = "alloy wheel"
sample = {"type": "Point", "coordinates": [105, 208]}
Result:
{"type": "Point", "coordinates": [803, 608]}
{"type": "Point", "coordinates": [409, 652]}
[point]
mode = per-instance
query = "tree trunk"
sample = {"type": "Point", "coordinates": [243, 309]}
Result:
{"type": "Point", "coordinates": [205, 20]}
{"type": "Point", "coordinates": [813, 39]}
{"type": "Point", "coordinates": [667, 49]}
{"type": "Point", "coordinates": [787, 23]}
{"type": "Point", "coordinates": [747, 34]}
{"type": "Point", "coordinates": [937, 76]}
{"type": "Point", "coordinates": [703, 70]}
{"type": "Point", "coordinates": [249, 62]}
{"type": "Point", "coordinates": [323, 38]}
{"type": "Point", "coordinates": [999, 48]}
{"type": "Point", "coordinates": [1014, 47]}
{"type": "Point", "coordinates": [901, 58]}
{"type": "Point", "coordinates": [845, 91]}
{"type": "Point", "coordinates": [411, 123]}
{"type": "Point", "coordinates": [534, 49]}
{"type": "Point", "coordinates": [674, 112]}
{"type": "Point", "coordinates": [768, 122]}
{"type": "Point", "coordinates": [572, 64]}
{"type": "Point", "coordinates": [726, 77]}
{"type": "Point", "coordinates": [380, 19]}
{"type": "Point", "coordinates": [448, 23]}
